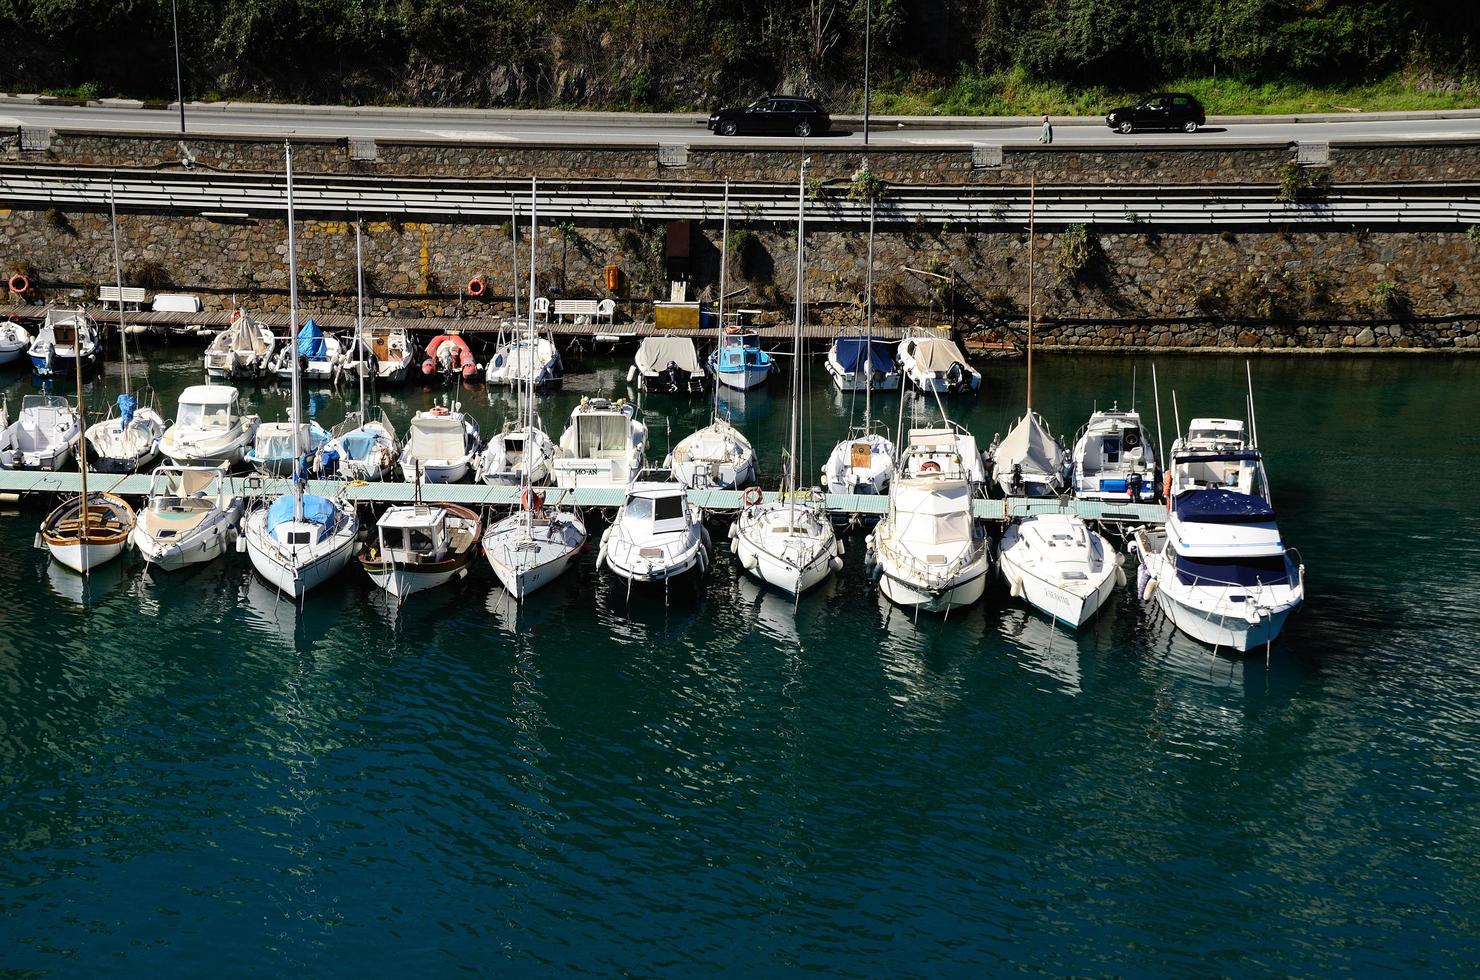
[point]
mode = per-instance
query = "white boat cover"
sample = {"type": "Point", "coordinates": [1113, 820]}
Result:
{"type": "Point", "coordinates": [934, 354]}
{"type": "Point", "coordinates": [654, 354]}
{"type": "Point", "coordinates": [1030, 445]}
{"type": "Point", "coordinates": [932, 512]}
{"type": "Point", "coordinates": [437, 437]}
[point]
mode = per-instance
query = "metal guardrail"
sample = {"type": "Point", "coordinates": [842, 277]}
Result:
{"type": "Point", "coordinates": [225, 195]}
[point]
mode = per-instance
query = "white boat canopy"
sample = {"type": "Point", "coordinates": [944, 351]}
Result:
{"type": "Point", "coordinates": [1030, 445]}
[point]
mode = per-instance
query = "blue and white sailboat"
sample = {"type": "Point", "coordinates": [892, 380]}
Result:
{"type": "Point", "coordinates": [301, 539]}
{"type": "Point", "coordinates": [62, 340]}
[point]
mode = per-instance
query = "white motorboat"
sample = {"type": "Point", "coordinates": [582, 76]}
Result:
{"type": "Point", "coordinates": [127, 440]}
{"type": "Point", "coordinates": [208, 429]}
{"type": "Point", "coordinates": [716, 457]}
{"type": "Point", "coordinates": [1059, 566]}
{"type": "Point", "coordinates": [359, 450]}
{"type": "Point", "coordinates": [669, 365]}
{"type": "Point", "coordinates": [514, 453]}
{"type": "Point", "coordinates": [526, 357]}
{"type": "Point", "coordinates": [533, 546]}
{"type": "Point", "coordinates": [61, 341]}
{"type": "Point", "coordinates": [44, 436]}
{"type": "Point", "coordinates": [1114, 460]}
{"type": "Point", "coordinates": [944, 450]}
{"type": "Point", "coordinates": [863, 464]}
{"type": "Point", "coordinates": [393, 350]}
{"type": "Point", "coordinates": [420, 547]}
{"type": "Point", "coordinates": [14, 341]}
{"type": "Point", "coordinates": [603, 445]}
{"type": "Point", "coordinates": [936, 364]}
{"type": "Point", "coordinates": [789, 542]}
{"type": "Point", "coordinates": [243, 350]}
{"type": "Point", "coordinates": [440, 445]}
{"type": "Point", "coordinates": [276, 448]}
{"type": "Point", "coordinates": [657, 537]}
{"type": "Point", "coordinates": [185, 521]}
{"type": "Point", "coordinates": [1029, 461]}
{"type": "Point", "coordinates": [299, 540]}
{"type": "Point", "coordinates": [739, 363]}
{"type": "Point", "coordinates": [1219, 569]}
{"type": "Point", "coordinates": [319, 355]}
{"type": "Point", "coordinates": [862, 364]}
{"type": "Point", "coordinates": [928, 552]}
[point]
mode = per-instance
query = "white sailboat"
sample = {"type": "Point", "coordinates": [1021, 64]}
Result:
{"type": "Point", "coordinates": [129, 441]}
{"type": "Point", "coordinates": [361, 446]}
{"type": "Point", "coordinates": [44, 436]}
{"type": "Point", "coordinates": [243, 350]}
{"type": "Point", "coordinates": [717, 456]}
{"type": "Point", "coordinates": [91, 528]}
{"type": "Point", "coordinates": [789, 542]}
{"type": "Point", "coordinates": [1059, 565]}
{"type": "Point", "coordinates": [319, 354]}
{"type": "Point", "coordinates": [300, 540]}
{"type": "Point", "coordinates": [209, 429]}
{"type": "Point", "coordinates": [526, 356]}
{"type": "Point", "coordinates": [863, 462]}
{"type": "Point", "coordinates": [533, 546]}
{"type": "Point", "coordinates": [185, 521]}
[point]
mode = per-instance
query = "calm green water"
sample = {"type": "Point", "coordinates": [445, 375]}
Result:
{"type": "Point", "coordinates": [193, 775]}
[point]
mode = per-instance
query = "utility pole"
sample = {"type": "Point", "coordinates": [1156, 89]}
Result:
{"type": "Point", "coordinates": [868, 36]}
{"type": "Point", "coordinates": [179, 88]}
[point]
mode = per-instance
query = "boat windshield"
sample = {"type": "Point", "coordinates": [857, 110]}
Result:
{"type": "Point", "coordinates": [204, 415]}
{"type": "Point", "coordinates": [940, 528]}
{"type": "Point", "coordinates": [1246, 571]}
{"type": "Point", "coordinates": [655, 509]}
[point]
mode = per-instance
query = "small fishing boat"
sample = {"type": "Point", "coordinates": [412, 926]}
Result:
{"type": "Point", "coordinates": [243, 350]}
{"type": "Point", "coordinates": [1114, 460]}
{"type": "Point", "coordinates": [393, 351]}
{"type": "Point", "coordinates": [185, 521]}
{"type": "Point", "coordinates": [44, 436]}
{"type": "Point", "coordinates": [526, 357]}
{"type": "Point", "coordinates": [863, 463]}
{"type": "Point", "coordinates": [603, 445]}
{"type": "Point", "coordinates": [515, 452]}
{"type": "Point", "coordinates": [657, 537]}
{"type": "Point", "coordinates": [359, 449]}
{"type": "Point", "coordinates": [14, 341]}
{"type": "Point", "coordinates": [449, 357]}
{"type": "Point", "coordinates": [276, 448]}
{"type": "Point", "coordinates": [928, 552]}
{"type": "Point", "coordinates": [208, 429]}
{"type": "Point", "coordinates": [862, 364]}
{"type": "Point", "coordinates": [420, 547]}
{"type": "Point", "coordinates": [1059, 566]}
{"type": "Point", "coordinates": [63, 339]}
{"type": "Point", "coordinates": [669, 365]}
{"type": "Point", "coordinates": [318, 353]}
{"type": "Point", "coordinates": [716, 457]}
{"type": "Point", "coordinates": [936, 364]}
{"type": "Point", "coordinates": [1029, 461]}
{"type": "Point", "coordinates": [739, 362]}
{"type": "Point", "coordinates": [440, 445]}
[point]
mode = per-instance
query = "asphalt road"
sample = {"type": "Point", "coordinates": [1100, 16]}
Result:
{"type": "Point", "coordinates": [461, 125]}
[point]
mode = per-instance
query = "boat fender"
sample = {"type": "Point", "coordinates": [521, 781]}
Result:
{"type": "Point", "coordinates": [1149, 590]}
{"type": "Point", "coordinates": [734, 546]}
{"type": "Point", "coordinates": [37, 543]}
{"type": "Point", "coordinates": [734, 532]}
{"type": "Point", "coordinates": [1015, 586]}
{"type": "Point", "coordinates": [751, 562]}
{"type": "Point", "coordinates": [241, 545]}
{"type": "Point", "coordinates": [838, 547]}
{"type": "Point", "coordinates": [1120, 576]}
{"type": "Point", "coordinates": [631, 373]}
{"type": "Point", "coordinates": [1143, 575]}
{"type": "Point", "coordinates": [836, 563]}
{"type": "Point", "coordinates": [704, 537]}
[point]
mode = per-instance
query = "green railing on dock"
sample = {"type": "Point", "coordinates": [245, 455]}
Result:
{"type": "Point", "coordinates": [479, 495]}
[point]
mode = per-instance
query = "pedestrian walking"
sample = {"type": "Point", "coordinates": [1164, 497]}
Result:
{"type": "Point", "coordinates": [1047, 136]}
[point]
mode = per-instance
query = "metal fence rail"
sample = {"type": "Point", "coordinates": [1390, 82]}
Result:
{"type": "Point", "coordinates": [225, 195]}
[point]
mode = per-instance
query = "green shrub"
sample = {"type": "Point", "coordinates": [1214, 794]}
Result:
{"type": "Point", "coordinates": [1075, 253]}
{"type": "Point", "coordinates": [1388, 298]}
{"type": "Point", "coordinates": [1298, 183]}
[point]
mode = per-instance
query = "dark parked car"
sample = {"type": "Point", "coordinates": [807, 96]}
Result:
{"type": "Point", "coordinates": [775, 114]}
{"type": "Point", "coordinates": [1164, 110]}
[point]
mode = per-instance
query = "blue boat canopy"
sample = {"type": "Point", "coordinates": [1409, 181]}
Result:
{"type": "Point", "coordinates": [311, 342]}
{"type": "Point", "coordinates": [1248, 572]}
{"type": "Point", "coordinates": [1221, 506]}
{"type": "Point", "coordinates": [854, 352]}
{"type": "Point", "coordinates": [318, 510]}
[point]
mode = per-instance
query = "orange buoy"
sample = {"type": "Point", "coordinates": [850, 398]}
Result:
{"type": "Point", "coordinates": [19, 284]}
{"type": "Point", "coordinates": [476, 286]}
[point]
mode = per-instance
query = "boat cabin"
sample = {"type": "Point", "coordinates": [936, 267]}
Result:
{"type": "Point", "coordinates": [1216, 434]}
{"type": "Point", "coordinates": [434, 437]}
{"type": "Point", "coordinates": [414, 535]}
{"type": "Point", "coordinates": [320, 518]}
{"type": "Point", "coordinates": [207, 407]}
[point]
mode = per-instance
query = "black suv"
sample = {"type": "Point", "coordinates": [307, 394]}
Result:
{"type": "Point", "coordinates": [1164, 110]}
{"type": "Point", "coordinates": [775, 114]}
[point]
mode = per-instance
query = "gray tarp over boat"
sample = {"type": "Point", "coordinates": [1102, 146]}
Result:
{"type": "Point", "coordinates": [934, 354]}
{"type": "Point", "coordinates": [1030, 445]}
{"type": "Point", "coordinates": [655, 353]}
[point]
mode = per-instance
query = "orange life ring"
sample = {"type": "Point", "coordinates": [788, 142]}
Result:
{"type": "Point", "coordinates": [440, 410]}
{"type": "Point", "coordinates": [236, 315]}
{"type": "Point", "coordinates": [476, 286]}
{"type": "Point", "coordinates": [930, 466]}
{"type": "Point", "coordinates": [532, 501]}
{"type": "Point", "coordinates": [752, 496]}
{"type": "Point", "coordinates": [1166, 488]}
{"type": "Point", "coordinates": [19, 284]}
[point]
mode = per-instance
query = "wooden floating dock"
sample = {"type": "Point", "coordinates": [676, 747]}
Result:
{"type": "Point", "coordinates": [23, 482]}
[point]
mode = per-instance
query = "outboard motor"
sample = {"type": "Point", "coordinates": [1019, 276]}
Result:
{"type": "Point", "coordinates": [671, 375]}
{"type": "Point", "coordinates": [1016, 483]}
{"type": "Point", "coordinates": [955, 377]}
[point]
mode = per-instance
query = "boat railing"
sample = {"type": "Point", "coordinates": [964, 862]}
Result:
{"type": "Point", "coordinates": [928, 571]}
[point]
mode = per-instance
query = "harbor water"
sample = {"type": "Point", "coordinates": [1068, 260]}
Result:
{"type": "Point", "coordinates": [196, 776]}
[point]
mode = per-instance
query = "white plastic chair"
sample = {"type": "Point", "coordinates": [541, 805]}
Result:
{"type": "Point", "coordinates": [607, 308]}
{"type": "Point", "coordinates": [542, 307]}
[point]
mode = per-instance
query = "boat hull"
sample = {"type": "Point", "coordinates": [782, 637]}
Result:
{"type": "Point", "coordinates": [1064, 606]}
{"type": "Point", "coordinates": [294, 577]}
{"type": "Point", "coordinates": [751, 377]}
{"type": "Point", "coordinates": [84, 557]}
{"type": "Point", "coordinates": [965, 591]}
{"type": "Point", "coordinates": [196, 549]}
{"type": "Point", "coordinates": [441, 472]}
{"type": "Point", "coordinates": [402, 581]}
{"type": "Point", "coordinates": [859, 380]}
{"type": "Point", "coordinates": [1223, 632]}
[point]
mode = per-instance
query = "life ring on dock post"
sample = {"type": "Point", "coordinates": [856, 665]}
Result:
{"type": "Point", "coordinates": [752, 496]}
{"type": "Point", "coordinates": [1166, 489]}
{"type": "Point", "coordinates": [19, 284]}
{"type": "Point", "coordinates": [476, 286]}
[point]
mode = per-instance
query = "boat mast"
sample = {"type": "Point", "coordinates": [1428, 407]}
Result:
{"type": "Point", "coordinates": [1032, 254]}
{"type": "Point", "coordinates": [527, 479]}
{"type": "Point", "coordinates": [118, 275]}
{"type": "Point", "coordinates": [293, 338]}
{"type": "Point", "coordinates": [796, 353]}
{"type": "Point", "coordinates": [81, 449]}
{"type": "Point", "coordinates": [360, 314]}
{"type": "Point", "coordinates": [868, 330]}
{"type": "Point", "coordinates": [724, 265]}
{"type": "Point", "coordinates": [514, 243]}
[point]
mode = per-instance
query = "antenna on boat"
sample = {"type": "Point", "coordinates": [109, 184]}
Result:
{"type": "Point", "coordinates": [1156, 388]}
{"type": "Point", "coordinates": [1032, 255]}
{"type": "Point", "coordinates": [1253, 421]}
{"type": "Point", "coordinates": [724, 264]}
{"type": "Point", "coordinates": [1176, 413]}
{"type": "Point", "coordinates": [82, 534]}
{"type": "Point", "coordinates": [514, 243]}
{"type": "Point", "coordinates": [1133, 387]}
{"type": "Point", "coordinates": [117, 274]}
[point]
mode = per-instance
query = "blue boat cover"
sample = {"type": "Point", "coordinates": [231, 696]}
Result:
{"type": "Point", "coordinates": [311, 342]}
{"type": "Point", "coordinates": [854, 351]}
{"type": "Point", "coordinates": [1222, 506]}
{"type": "Point", "coordinates": [319, 510]}
{"type": "Point", "coordinates": [126, 406]}
{"type": "Point", "coordinates": [357, 443]}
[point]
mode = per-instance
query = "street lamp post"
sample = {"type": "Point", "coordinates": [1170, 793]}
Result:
{"type": "Point", "coordinates": [868, 36]}
{"type": "Point", "coordinates": [179, 87]}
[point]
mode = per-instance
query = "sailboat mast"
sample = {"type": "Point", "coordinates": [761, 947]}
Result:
{"type": "Point", "coordinates": [81, 448]}
{"type": "Point", "coordinates": [1032, 255]}
{"type": "Point", "coordinates": [527, 409]}
{"type": "Point", "coordinates": [724, 265]}
{"type": "Point", "coordinates": [360, 314]}
{"type": "Point", "coordinates": [118, 275]}
{"type": "Point", "coordinates": [796, 354]}
{"type": "Point", "coordinates": [868, 327]}
{"type": "Point", "coordinates": [514, 244]}
{"type": "Point", "coordinates": [293, 337]}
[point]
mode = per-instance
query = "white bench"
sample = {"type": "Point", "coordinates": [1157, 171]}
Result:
{"type": "Point", "coordinates": [130, 294]}
{"type": "Point", "coordinates": [579, 310]}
